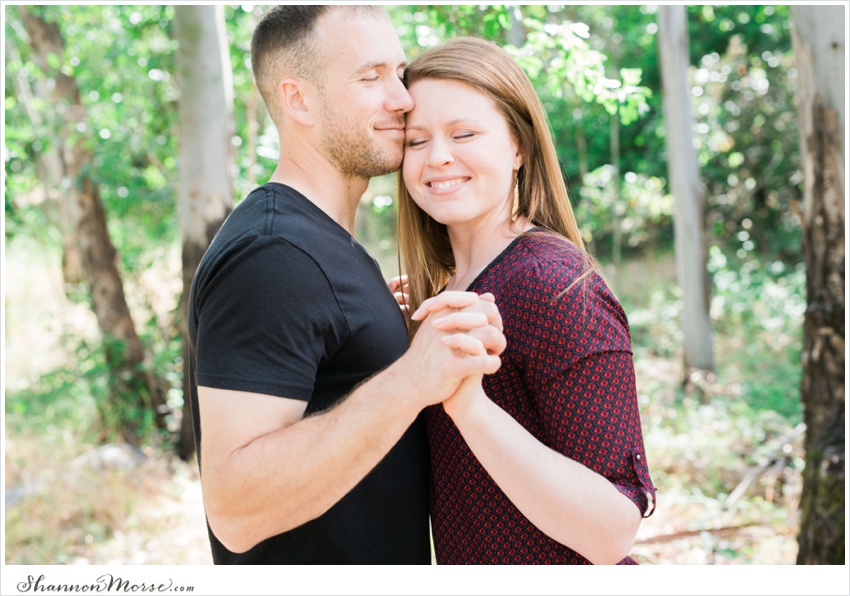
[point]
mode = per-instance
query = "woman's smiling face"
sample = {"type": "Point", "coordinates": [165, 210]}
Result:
{"type": "Point", "coordinates": [460, 158]}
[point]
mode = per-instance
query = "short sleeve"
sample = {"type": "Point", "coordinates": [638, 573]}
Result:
{"type": "Point", "coordinates": [590, 414]}
{"type": "Point", "coordinates": [574, 342]}
{"type": "Point", "coordinates": [267, 319]}
{"type": "Point", "coordinates": [562, 317]}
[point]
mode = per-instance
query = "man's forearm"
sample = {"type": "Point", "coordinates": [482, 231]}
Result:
{"type": "Point", "coordinates": [288, 477]}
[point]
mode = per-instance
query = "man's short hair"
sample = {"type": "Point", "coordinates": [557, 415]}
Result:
{"type": "Point", "coordinates": [282, 45]}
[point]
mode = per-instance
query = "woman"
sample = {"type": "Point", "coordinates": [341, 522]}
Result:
{"type": "Point", "coordinates": [542, 462]}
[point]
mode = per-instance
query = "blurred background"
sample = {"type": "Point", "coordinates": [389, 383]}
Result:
{"type": "Point", "coordinates": [131, 131]}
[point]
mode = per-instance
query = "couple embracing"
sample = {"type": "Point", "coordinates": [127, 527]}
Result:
{"type": "Point", "coordinates": [490, 390]}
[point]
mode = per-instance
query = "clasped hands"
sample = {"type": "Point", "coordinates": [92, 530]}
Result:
{"type": "Point", "coordinates": [467, 323]}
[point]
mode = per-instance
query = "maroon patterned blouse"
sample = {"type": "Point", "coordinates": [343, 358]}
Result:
{"type": "Point", "coordinates": [567, 376]}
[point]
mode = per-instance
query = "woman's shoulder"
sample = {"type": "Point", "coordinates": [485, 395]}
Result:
{"type": "Point", "coordinates": [547, 256]}
{"type": "Point", "coordinates": [552, 264]}
{"type": "Point", "coordinates": [567, 281]}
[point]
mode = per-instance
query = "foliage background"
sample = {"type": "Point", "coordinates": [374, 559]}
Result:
{"type": "Point", "coordinates": [725, 449]}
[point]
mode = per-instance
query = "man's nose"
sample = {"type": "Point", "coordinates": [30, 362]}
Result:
{"type": "Point", "coordinates": [399, 99]}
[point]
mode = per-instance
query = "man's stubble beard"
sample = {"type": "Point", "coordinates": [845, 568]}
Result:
{"type": "Point", "coordinates": [351, 150]}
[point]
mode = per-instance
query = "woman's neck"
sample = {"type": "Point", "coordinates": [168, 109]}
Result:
{"type": "Point", "coordinates": [474, 249]}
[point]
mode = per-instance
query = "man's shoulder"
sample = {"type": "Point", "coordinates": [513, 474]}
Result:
{"type": "Point", "coordinates": [268, 214]}
{"type": "Point", "coordinates": [276, 230]}
{"type": "Point", "coordinates": [253, 239]}
{"type": "Point", "coordinates": [273, 209]}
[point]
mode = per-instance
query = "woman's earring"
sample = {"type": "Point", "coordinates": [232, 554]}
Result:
{"type": "Point", "coordinates": [515, 209]}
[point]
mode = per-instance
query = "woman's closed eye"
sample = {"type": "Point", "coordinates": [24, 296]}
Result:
{"type": "Point", "coordinates": [464, 136]}
{"type": "Point", "coordinates": [414, 142]}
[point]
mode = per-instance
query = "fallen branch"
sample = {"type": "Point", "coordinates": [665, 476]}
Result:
{"type": "Point", "coordinates": [777, 458]}
{"type": "Point", "coordinates": [722, 531]}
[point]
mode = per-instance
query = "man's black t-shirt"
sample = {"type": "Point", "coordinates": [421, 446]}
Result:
{"type": "Point", "coordinates": [286, 303]}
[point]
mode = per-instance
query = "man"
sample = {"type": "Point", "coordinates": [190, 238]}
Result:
{"type": "Point", "coordinates": [305, 396]}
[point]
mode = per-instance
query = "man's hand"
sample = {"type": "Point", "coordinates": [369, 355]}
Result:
{"type": "Point", "coordinates": [460, 336]}
{"type": "Point", "coordinates": [452, 310]}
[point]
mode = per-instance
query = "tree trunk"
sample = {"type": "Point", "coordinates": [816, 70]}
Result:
{"type": "Point", "coordinates": [683, 171]}
{"type": "Point", "coordinates": [135, 392]}
{"type": "Point", "coordinates": [50, 171]}
{"type": "Point", "coordinates": [516, 31]}
{"type": "Point", "coordinates": [818, 40]}
{"type": "Point", "coordinates": [206, 157]}
{"type": "Point", "coordinates": [580, 141]}
{"type": "Point", "coordinates": [619, 206]}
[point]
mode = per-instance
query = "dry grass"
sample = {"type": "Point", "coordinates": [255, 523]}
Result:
{"type": "Point", "coordinates": [93, 510]}
{"type": "Point", "coordinates": [700, 518]}
{"type": "Point", "coordinates": [63, 506]}
{"type": "Point", "coordinates": [81, 512]}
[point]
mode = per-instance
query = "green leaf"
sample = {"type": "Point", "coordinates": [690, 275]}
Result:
{"type": "Point", "coordinates": [53, 61]}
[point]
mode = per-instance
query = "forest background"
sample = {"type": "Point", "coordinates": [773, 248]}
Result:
{"type": "Point", "coordinates": [97, 466]}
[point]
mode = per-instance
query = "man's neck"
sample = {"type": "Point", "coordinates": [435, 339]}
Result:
{"type": "Point", "coordinates": [322, 184]}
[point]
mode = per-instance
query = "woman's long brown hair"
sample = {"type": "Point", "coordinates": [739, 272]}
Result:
{"type": "Point", "coordinates": [542, 194]}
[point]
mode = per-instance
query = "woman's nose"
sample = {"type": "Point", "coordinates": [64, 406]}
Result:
{"type": "Point", "coordinates": [439, 154]}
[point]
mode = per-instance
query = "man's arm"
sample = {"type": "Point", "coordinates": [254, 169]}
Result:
{"type": "Point", "coordinates": [266, 469]}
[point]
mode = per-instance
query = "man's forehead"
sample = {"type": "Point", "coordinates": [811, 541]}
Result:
{"type": "Point", "coordinates": [360, 41]}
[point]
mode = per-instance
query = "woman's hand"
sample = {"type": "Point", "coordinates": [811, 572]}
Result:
{"type": "Point", "coordinates": [475, 316]}
{"type": "Point", "coordinates": [400, 289]}
{"type": "Point", "coordinates": [462, 403]}
{"type": "Point", "coordinates": [461, 301]}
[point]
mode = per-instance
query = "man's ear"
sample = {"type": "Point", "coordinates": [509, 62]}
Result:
{"type": "Point", "coordinates": [292, 98]}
